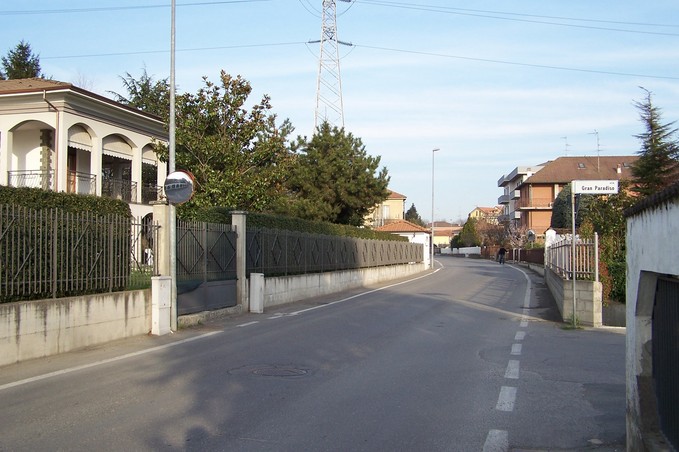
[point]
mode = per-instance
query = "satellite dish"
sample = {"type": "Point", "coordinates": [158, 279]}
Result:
{"type": "Point", "coordinates": [531, 235]}
{"type": "Point", "coordinates": [179, 187]}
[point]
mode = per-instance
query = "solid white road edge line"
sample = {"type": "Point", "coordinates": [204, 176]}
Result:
{"type": "Point", "coordinates": [104, 361]}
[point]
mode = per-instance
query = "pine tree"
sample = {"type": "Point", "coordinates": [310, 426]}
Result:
{"type": "Point", "coordinates": [414, 217]}
{"type": "Point", "coordinates": [20, 63]}
{"type": "Point", "coordinates": [334, 179]}
{"type": "Point", "coordinates": [658, 162]}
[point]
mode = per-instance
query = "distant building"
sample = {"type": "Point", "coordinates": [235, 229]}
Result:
{"type": "Point", "coordinates": [489, 214]}
{"type": "Point", "coordinates": [530, 191]}
{"type": "Point", "coordinates": [510, 200]}
{"type": "Point", "coordinates": [444, 232]}
{"type": "Point", "coordinates": [390, 210]}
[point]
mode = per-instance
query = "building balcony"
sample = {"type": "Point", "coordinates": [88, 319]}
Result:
{"type": "Point", "coordinates": [125, 190]}
{"type": "Point", "coordinates": [150, 193]}
{"type": "Point", "coordinates": [31, 178]}
{"type": "Point", "coordinates": [536, 203]}
{"type": "Point", "coordinates": [504, 199]}
{"type": "Point", "coordinates": [81, 183]}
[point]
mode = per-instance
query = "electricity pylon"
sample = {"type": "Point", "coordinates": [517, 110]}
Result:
{"type": "Point", "coordinates": [329, 104]}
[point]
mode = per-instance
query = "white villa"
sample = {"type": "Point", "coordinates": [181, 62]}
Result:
{"type": "Point", "coordinates": [59, 137]}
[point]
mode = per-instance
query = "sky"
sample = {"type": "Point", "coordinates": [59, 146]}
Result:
{"type": "Point", "coordinates": [492, 84]}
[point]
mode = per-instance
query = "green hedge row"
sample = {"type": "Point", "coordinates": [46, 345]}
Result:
{"type": "Point", "coordinates": [261, 220]}
{"type": "Point", "coordinates": [36, 198]}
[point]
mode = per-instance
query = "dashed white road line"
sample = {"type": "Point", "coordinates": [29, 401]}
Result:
{"type": "Point", "coordinates": [496, 441]}
{"type": "Point", "coordinates": [516, 349]}
{"type": "Point", "coordinates": [247, 324]}
{"type": "Point", "coordinates": [520, 335]}
{"type": "Point", "coordinates": [512, 371]}
{"type": "Point", "coordinates": [507, 398]}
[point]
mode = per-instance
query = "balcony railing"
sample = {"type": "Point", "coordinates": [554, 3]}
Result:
{"type": "Point", "coordinates": [81, 183]}
{"type": "Point", "coordinates": [536, 203]}
{"type": "Point", "coordinates": [125, 190]}
{"type": "Point", "coordinates": [32, 178]}
{"type": "Point", "coordinates": [150, 193]}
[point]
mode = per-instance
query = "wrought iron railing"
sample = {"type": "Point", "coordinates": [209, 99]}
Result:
{"type": "Point", "coordinates": [51, 253]}
{"type": "Point", "coordinates": [150, 193]}
{"type": "Point", "coordinates": [81, 183]}
{"type": "Point", "coordinates": [31, 178]}
{"type": "Point", "coordinates": [125, 190]}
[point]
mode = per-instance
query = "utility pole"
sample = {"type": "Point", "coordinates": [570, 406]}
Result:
{"type": "Point", "coordinates": [329, 103]}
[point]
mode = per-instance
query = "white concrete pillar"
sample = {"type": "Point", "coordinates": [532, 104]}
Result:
{"type": "Point", "coordinates": [239, 222]}
{"type": "Point", "coordinates": [257, 293]}
{"type": "Point", "coordinates": [161, 305]}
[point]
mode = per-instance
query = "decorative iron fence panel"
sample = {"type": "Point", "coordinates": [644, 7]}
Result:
{"type": "Point", "coordinates": [206, 266]}
{"type": "Point", "coordinates": [280, 252]}
{"type": "Point", "coordinates": [665, 334]}
{"type": "Point", "coordinates": [51, 253]}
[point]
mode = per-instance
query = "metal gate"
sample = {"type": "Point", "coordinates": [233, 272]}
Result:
{"type": "Point", "coordinates": [666, 357]}
{"type": "Point", "coordinates": [206, 266]}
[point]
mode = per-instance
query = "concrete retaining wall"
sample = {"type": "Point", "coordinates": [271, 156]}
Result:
{"type": "Point", "coordinates": [588, 296]}
{"type": "Point", "coordinates": [287, 289]}
{"type": "Point", "coordinates": [35, 329]}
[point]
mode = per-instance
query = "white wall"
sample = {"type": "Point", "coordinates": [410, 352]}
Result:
{"type": "Point", "coordinates": [652, 250]}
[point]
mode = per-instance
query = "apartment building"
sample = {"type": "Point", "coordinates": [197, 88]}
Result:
{"type": "Point", "coordinates": [530, 191]}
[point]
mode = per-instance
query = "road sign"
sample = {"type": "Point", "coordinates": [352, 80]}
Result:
{"type": "Point", "coordinates": [595, 187]}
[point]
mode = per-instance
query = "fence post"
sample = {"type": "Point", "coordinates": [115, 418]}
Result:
{"type": "Point", "coordinates": [163, 303]}
{"type": "Point", "coordinates": [596, 257]}
{"type": "Point", "coordinates": [239, 222]}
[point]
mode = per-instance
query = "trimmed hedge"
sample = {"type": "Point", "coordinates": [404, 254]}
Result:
{"type": "Point", "coordinates": [269, 221]}
{"type": "Point", "coordinates": [36, 198]}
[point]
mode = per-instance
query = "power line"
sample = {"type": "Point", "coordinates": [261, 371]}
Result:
{"type": "Point", "coordinates": [119, 8]}
{"type": "Point", "coordinates": [386, 49]}
{"type": "Point", "coordinates": [487, 15]}
{"type": "Point", "coordinates": [515, 63]}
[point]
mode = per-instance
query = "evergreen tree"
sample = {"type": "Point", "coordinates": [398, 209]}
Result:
{"type": "Point", "coordinates": [20, 62]}
{"type": "Point", "coordinates": [414, 217]}
{"type": "Point", "coordinates": [146, 94]}
{"type": "Point", "coordinates": [469, 236]}
{"type": "Point", "coordinates": [657, 166]}
{"type": "Point", "coordinates": [333, 179]}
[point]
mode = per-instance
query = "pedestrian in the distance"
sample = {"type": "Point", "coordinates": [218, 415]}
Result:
{"type": "Point", "coordinates": [501, 255]}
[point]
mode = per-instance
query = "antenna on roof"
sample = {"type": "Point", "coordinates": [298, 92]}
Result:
{"type": "Point", "coordinates": [566, 146]}
{"type": "Point", "coordinates": [598, 149]}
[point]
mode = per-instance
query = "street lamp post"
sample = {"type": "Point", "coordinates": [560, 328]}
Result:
{"type": "Point", "coordinates": [431, 242]}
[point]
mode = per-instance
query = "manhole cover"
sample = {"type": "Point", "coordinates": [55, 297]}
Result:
{"type": "Point", "coordinates": [280, 371]}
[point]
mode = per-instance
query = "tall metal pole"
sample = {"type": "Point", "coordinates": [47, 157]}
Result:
{"type": "Point", "coordinates": [171, 168]}
{"type": "Point", "coordinates": [575, 322]}
{"type": "Point", "coordinates": [431, 244]}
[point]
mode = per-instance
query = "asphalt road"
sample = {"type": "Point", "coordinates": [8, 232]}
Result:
{"type": "Point", "coordinates": [469, 358]}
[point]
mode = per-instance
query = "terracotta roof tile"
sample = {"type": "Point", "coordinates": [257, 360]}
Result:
{"type": "Point", "coordinates": [566, 169]}
{"type": "Point", "coordinates": [401, 226]}
{"type": "Point", "coordinates": [30, 85]}
{"type": "Point", "coordinates": [395, 195]}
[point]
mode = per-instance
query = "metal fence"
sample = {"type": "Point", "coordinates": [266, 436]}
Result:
{"type": "Point", "coordinates": [559, 259]}
{"type": "Point", "coordinates": [280, 252]}
{"type": "Point", "coordinates": [665, 347]}
{"type": "Point", "coordinates": [205, 252]}
{"type": "Point", "coordinates": [51, 253]}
